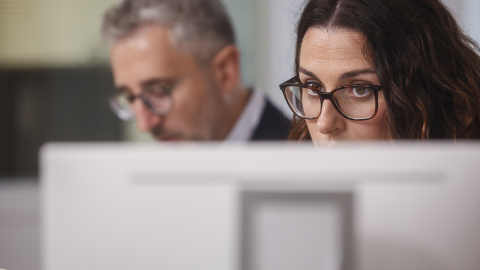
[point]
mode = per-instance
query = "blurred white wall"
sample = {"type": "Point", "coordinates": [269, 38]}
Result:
{"type": "Point", "coordinates": [274, 41]}
{"type": "Point", "coordinates": [467, 13]}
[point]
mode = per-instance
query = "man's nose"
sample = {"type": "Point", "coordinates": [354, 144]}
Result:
{"type": "Point", "coordinates": [145, 119]}
{"type": "Point", "coordinates": [330, 120]}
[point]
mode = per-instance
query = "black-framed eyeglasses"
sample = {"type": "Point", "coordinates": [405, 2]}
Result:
{"type": "Point", "coordinates": [157, 98]}
{"type": "Point", "coordinates": [355, 102]}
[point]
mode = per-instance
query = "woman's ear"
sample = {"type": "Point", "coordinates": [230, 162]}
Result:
{"type": "Point", "coordinates": [226, 68]}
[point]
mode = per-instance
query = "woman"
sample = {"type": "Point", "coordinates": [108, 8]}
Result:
{"type": "Point", "coordinates": [390, 69]}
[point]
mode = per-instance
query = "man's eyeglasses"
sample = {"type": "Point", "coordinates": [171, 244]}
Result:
{"type": "Point", "coordinates": [157, 98]}
{"type": "Point", "coordinates": [355, 102]}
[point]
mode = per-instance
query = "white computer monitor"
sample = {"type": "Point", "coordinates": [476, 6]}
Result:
{"type": "Point", "coordinates": [261, 206]}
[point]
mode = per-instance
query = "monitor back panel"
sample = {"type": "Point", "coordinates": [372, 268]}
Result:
{"type": "Point", "coordinates": [260, 207]}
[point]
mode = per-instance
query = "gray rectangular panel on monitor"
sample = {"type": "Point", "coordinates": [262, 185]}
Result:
{"type": "Point", "coordinates": [297, 230]}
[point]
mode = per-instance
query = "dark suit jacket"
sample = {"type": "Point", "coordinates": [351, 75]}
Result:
{"type": "Point", "coordinates": [273, 125]}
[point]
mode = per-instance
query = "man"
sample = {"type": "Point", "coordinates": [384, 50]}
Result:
{"type": "Point", "coordinates": [177, 71]}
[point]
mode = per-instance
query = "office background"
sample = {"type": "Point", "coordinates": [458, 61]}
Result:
{"type": "Point", "coordinates": [55, 79]}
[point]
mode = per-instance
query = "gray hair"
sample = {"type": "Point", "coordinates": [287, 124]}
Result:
{"type": "Point", "coordinates": [200, 27]}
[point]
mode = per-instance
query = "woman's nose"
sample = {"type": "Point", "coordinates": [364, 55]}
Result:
{"type": "Point", "coordinates": [330, 120]}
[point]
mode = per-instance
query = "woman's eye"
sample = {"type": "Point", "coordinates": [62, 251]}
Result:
{"type": "Point", "coordinates": [313, 85]}
{"type": "Point", "coordinates": [360, 90]}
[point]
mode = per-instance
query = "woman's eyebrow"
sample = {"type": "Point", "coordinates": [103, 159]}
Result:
{"type": "Point", "coordinates": [353, 73]}
{"type": "Point", "coordinates": [344, 76]}
{"type": "Point", "coordinates": [308, 73]}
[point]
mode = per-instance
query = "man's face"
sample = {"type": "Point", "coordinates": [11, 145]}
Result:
{"type": "Point", "coordinates": [147, 58]}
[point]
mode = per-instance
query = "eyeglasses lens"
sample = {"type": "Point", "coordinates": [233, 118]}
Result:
{"type": "Point", "coordinates": [354, 102]}
{"type": "Point", "coordinates": [121, 107]}
{"type": "Point", "coordinates": [159, 104]}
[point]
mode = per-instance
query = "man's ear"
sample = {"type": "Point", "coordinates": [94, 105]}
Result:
{"type": "Point", "coordinates": [226, 68]}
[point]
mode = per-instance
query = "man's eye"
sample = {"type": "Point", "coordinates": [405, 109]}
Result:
{"type": "Point", "coordinates": [159, 89]}
{"type": "Point", "coordinates": [129, 97]}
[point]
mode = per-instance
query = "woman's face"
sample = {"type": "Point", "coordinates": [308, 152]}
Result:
{"type": "Point", "coordinates": [330, 59]}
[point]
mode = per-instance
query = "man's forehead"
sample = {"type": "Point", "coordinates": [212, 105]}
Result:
{"type": "Point", "coordinates": [149, 51]}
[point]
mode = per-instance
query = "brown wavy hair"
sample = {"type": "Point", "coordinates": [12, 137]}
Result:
{"type": "Point", "coordinates": [428, 68]}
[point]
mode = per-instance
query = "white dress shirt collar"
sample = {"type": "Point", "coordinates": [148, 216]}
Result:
{"type": "Point", "coordinates": [249, 119]}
